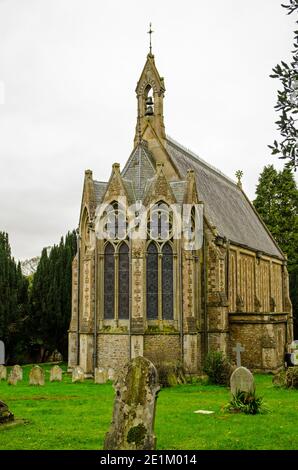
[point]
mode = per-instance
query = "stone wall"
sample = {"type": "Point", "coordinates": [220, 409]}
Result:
{"type": "Point", "coordinates": [112, 350]}
{"type": "Point", "coordinates": [263, 337]}
{"type": "Point", "coordinates": [167, 345]}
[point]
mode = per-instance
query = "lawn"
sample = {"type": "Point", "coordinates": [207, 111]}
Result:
{"type": "Point", "coordinates": [77, 416]}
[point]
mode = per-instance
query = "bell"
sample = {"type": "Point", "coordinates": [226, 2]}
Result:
{"type": "Point", "coordinates": [149, 101]}
{"type": "Point", "coordinates": [149, 111]}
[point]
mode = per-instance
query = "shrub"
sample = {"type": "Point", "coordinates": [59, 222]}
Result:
{"type": "Point", "coordinates": [218, 368]}
{"type": "Point", "coordinates": [287, 378]}
{"type": "Point", "coordinates": [246, 402]}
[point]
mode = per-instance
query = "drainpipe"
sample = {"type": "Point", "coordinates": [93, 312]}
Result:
{"type": "Point", "coordinates": [205, 295]}
{"type": "Point", "coordinates": [181, 301]}
{"type": "Point", "coordinates": [78, 295]}
{"type": "Point", "coordinates": [95, 307]}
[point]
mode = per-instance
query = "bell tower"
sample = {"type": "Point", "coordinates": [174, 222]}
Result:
{"type": "Point", "coordinates": [150, 94]}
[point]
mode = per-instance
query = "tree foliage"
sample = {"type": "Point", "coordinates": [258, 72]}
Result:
{"type": "Point", "coordinates": [13, 302]}
{"type": "Point", "coordinates": [287, 101]}
{"type": "Point", "coordinates": [277, 203]}
{"type": "Point", "coordinates": [50, 299]}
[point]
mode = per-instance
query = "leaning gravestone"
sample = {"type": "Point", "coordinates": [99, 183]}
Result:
{"type": "Point", "coordinates": [242, 380]}
{"type": "Point", "coordinates": [17, 372]}
{"type": "Point", "coordinates": [5, 414]}
{"type": "Point", "coordinates": [3, 373]}
{"type": "Point", "coordinates": [78, 374]}
{"type": "Point", "coordinates": [136, 389]}
{"type": "Point", "coordinates": [12, 378]}
{"type": "Point", "coordinates": [36, 376]}
{"type": "Point", "coordinates": [100, 375]}
{"type": "Point", "coordinates": [56, 374]}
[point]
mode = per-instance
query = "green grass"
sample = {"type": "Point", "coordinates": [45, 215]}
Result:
{"type": "Point", "coordinates": [77, 416]}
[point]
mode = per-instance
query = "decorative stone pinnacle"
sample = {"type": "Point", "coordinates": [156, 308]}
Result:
{"type": "Point", "coordinates": [116, 167]}
{"type": "Point", "coordinates": [88, 173]}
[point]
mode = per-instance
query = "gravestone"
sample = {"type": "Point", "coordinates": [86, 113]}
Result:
{"type": "Point", "coordinates": [111, 374]}
{"type": "Point", "coordinates": [12, 378]}
{"type": "Point", "coordinates": [5, 414]}
{"type": "Point", "coordinates": [3, 373]}
{"type": "Point", "coordinates": [136, 389]}
{"type": "Point", "coordinates": [56, 374]}
{"type": "Point", "coordinates": [78, 374]}
{"type": "Point", "coordinates": [242, 380]}
{"type": "Point", "coordinates": [36, 376]}
{"type": "Point", "coordinates": [100, 375]}
{"type": "Point", "coordinates": [17, 372]}
{"type": "Point", "coordinates": [56, 356]}
{"type": "Point", "coordinates": [2, 353]}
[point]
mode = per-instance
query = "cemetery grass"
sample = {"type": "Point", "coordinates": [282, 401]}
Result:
{"type": "Point", "coordinates": [77, 416]}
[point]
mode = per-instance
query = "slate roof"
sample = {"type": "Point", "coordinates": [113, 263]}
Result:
{"type": "Point", "coordinates": [99, 188]}
{"type": "Point", "coordinates": [225, 204]}
{"type": "Point", "coordinates": [138, 170]}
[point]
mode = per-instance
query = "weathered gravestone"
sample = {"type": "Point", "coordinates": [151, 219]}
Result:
{"type": "Point", "coordinates": [12, 378]}
{"type": "Point", "coordinates": [111, 374]}
{"type": "Point", "coordinates": [56, 374]}
{"type": "Point", "coordinates": [242, 380]}
{"type": "Point", "coordinates": [78, 374]}
{"type": "Point", "coordinates": [18, 372]}
{"type": "Point", "coordinates": [5, 414]}
{"type": "Point", "coordinates": [3, 372]}
{"type": "Point", "coordinates": [100, 375]}
{"type": "Point", "coordinates": [36, 376]}
{"type": "Point", "coordinates": [132, 426]}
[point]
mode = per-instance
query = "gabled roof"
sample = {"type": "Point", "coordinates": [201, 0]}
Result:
{"type": "Point", "coordinates": [138, 170]}
{"type": "Point", "coordinates": [99, 189]}
{"type": "Point", "coordinates": [226, 206]}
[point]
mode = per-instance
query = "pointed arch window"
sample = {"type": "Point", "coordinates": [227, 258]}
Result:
{"type": "Point", "coordinates": [123, 282]}
{"type": "Point", "coordinates": [152, 282]}
{"type": "Point", "coordinates": [109, 281]}
{"type": "Point", "coordinates": [160, 282]}
{"type": "Point", "coordinates": [116, 281]}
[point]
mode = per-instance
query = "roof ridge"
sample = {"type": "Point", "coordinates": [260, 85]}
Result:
{"type": "Point", "coordinates": [194, 156]}
{"type": "Point", "coordinates": [101, 182]}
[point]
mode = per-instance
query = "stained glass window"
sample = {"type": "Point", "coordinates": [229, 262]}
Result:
{"type": "Point", "coordinates": [167, 282]}
{"type": "Point", "coordinates": [123, 280]}
{"type": "Point", "coordinates": [109, 281]}
{"type": "Point", "coordinates": [152, 282]}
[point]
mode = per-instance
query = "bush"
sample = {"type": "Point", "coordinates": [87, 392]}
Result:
{"type": "Point", "coordinates": [246, 402]}
{"type": "Point", "coordinates": [287, 378]}
{"type": "Point", "coordinates": [218, 368]}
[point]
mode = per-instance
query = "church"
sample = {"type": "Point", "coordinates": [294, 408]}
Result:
{"type": "Point", "coordinates": [143, 286]}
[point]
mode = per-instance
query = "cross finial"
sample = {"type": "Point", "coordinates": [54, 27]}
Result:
{"type": "Point", "coordinates": [150, 34]}
{"type": "Point", "coordinates": [239, 174]}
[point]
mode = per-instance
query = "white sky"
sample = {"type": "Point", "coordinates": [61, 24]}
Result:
{"type": "Point", "coordinates": [69, 70]}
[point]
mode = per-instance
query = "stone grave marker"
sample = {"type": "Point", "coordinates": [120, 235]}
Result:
{"type": "Point", "coordinates": [111, 374]}
{"type": "Point", "coordinates": [3, 372]}
{"type": "Point", "coordinates": [36, 376]}
{"type": "Point", "coordinates": [18, 372]}
{"type": "Point", "coordinates": [56, 374]}
{"type": "Point", "coordinates": [136, 389]}
{"type": "Point", "coordinates": [242, 380]}
{"type": "Point", "coordinates": [100, 375]}
{"type": "Point", "coordinates": [78, 374]}
{"type": "Point", "coordinates": [12, 378]}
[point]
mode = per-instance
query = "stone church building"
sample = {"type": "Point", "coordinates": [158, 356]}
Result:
{"type": "Point", "coordinates": [153, 295]}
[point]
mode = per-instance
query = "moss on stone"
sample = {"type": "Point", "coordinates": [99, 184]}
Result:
{"type": "Point", "coordinates": [137, 434]}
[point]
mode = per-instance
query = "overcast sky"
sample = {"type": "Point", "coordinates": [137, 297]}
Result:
{"type": "Point", "coordinates": [68, 71]}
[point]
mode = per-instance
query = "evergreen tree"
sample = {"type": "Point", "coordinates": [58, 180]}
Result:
{"type": "Point", "coordinates": [13, 302]}
{"type": "Point", "coordinates": [50, 299]}
{"type": "Point", "coordinates": [287, 101]}
{"type": "Point", "coordinates": [277, 203]}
